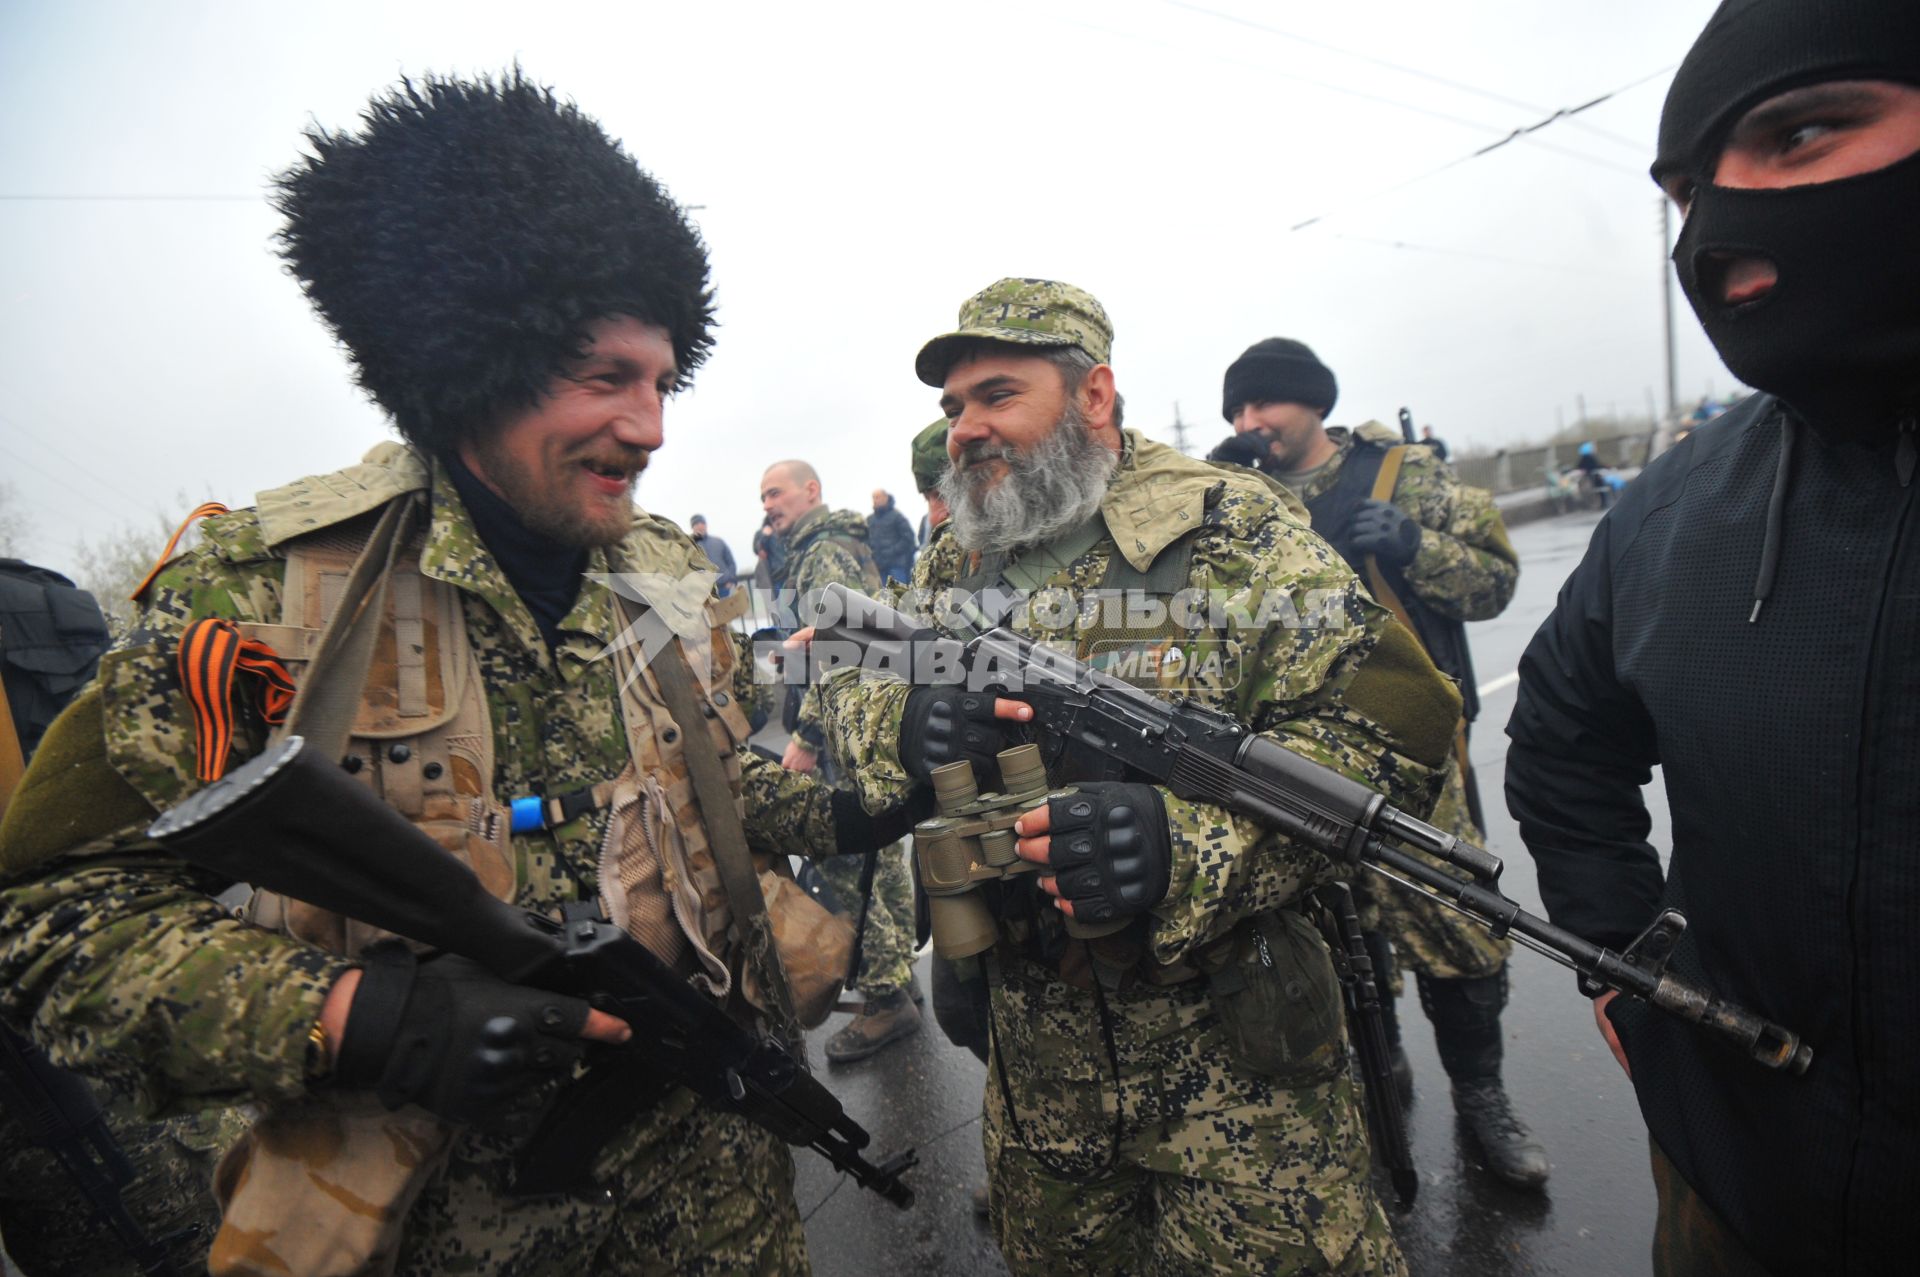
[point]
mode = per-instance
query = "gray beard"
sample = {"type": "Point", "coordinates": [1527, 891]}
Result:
{"type": "Point", "coordinates": [1051, 488]}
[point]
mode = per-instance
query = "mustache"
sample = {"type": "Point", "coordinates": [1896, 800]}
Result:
{"type": "Point", "coordinates": [972, 454]}
{"type": "Point", "coordinates": [618, 457]}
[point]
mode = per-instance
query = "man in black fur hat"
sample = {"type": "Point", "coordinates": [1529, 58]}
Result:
{"type": "Point", "coordinates": [1745, 618]}
{"type": "Point", "coordinates": [521, 298]}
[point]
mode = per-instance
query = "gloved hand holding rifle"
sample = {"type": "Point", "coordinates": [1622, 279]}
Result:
{"type": "Point", "coordinates": [513, 996]}
{"type": "Point", "coordinates": [1106, 859]}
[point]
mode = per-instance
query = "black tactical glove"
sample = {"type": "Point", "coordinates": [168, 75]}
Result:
{"type": "Point", "coordinates": [945, 724]}
{"type": "Point", "coordinates": [1249, 449]}
{"type": "Point", "coordinates": [1386, 532]}
{"type": "Point", "coordinates": [448, 1036]}
{"type": "Point", "coordinates": [1110, 849]}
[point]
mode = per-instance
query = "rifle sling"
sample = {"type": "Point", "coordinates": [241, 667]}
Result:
{"type": "Point", "coordinates": [752, 928]}
{"type": "Point", "coordinates": [328, 701]}
{"type": "Point", "coordinates": [1383, 484]}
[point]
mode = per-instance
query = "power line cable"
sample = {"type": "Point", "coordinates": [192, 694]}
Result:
{"type": "Point", "coordinates": [1480, 126]}
{"type": "Point", "coordinates": [21, 432]}
{"type": "Point", "coordinates": [1457, 85]}
{"type": "Point", "coordinates": [1473, 254]}
{"type": "Point", "coordinates": [128, 199]}
{"type": "Point", "coordinates": [1516, 135]}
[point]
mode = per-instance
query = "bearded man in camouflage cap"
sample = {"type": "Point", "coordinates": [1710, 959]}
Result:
{"type": "Point", "coordinates": [1137, 1119]}
{"type": "Point", "coordinates": [521, 298]}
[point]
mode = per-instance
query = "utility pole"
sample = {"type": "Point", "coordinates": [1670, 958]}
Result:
{"type": "Point", "coordinates": [1179, 431]}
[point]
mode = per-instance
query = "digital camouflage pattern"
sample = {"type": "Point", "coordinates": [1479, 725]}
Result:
{"type": "Point", "coordinates": [1286, 1164]}
{"type": "Point", "coordinates": [831, 549]}
{"type": "Point", "coordinates": [1024, 312]}
{"type": "Point", "coordinates": [1466, 570]}
{"type": "Point", "coordinates": [1247, 1175]}
{"type": "Point", "coordinates": [122, 963]}
{"type": "Point", "coordinates": [50, 1231]}
{"type": "Point", "coordinates": [930, 456]}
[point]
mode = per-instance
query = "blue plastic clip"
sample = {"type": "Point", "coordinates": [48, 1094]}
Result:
{"type": "Point", "coordinates": [529, 815]}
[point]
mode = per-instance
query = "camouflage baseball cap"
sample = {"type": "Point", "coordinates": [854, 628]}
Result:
{"type": "Point", "coordinates": [1023, 312]}
{"type": "Point", "coordinates": [930, 455]}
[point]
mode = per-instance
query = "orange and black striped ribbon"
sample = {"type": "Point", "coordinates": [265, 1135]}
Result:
{"type": "Point", "coordinates": [205, 510]}
{"type": "Point", "coordinates": [212, 652]}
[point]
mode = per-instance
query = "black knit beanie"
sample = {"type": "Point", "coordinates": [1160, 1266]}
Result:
{"type": "Point", "coordinates": [1752, 50]}
{"type": "Point", "coordinates": [1279, 370]}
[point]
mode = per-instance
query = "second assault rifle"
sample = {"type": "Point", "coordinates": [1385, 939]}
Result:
{"type": "Point", "coordinates": [59, 1114]}
{"type": "Point", "coordinates": [296, 823]}
{"type": "Point", "coordinates": [1203, 755]}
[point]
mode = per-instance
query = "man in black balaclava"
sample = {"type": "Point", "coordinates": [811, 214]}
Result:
{"type": "Point", "coordinates": [1745, 619]}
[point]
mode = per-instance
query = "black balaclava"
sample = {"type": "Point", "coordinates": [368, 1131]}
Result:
{"type": "Point", "coordinates": [1278, 370]}
{"type": "Point", "coordinates": [1838, 337]}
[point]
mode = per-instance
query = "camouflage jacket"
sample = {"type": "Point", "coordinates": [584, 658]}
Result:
{"type": "Point", "coordinates": [118, 955]}
{"type": "Point", "coordinates": [1466, 569]}
{"type": "Point", "coordinates": [1283, 637]}
{"type": "Point", "coordinates": [828, 547]}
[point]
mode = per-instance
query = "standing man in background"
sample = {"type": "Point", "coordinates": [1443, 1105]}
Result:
{"type": "Point", "coordinates": [929, 467]}
{"type": "Point", "coordinates": [1434, 441]}
{"type": "Point", "coordinates": [717, 551]}
{"type": "Point", "coordinates": [891, 537]}
{"type": "Point", "coordinates": [829, 547]}
{"type": "Point", "coordinates": [1436, 552]}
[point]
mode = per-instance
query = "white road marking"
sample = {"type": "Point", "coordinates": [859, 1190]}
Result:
{"type": "Point", "coordinates": [1500, 684]}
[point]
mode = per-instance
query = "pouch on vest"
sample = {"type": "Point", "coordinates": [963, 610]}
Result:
{"type": "Point", "coordinates": [422, 737]}
{"type": "Point", "coordinates": [322, 1188]}
{"type": "Point", "coordinates": [1279, 1001]}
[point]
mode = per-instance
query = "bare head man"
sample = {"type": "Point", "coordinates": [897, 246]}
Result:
{"type": "Point", "coordinates": [1280, 390]}
{"type": "Point", "coordinates": [787, 491]}
{"type": "Point", "coordinates": [1034, 415]}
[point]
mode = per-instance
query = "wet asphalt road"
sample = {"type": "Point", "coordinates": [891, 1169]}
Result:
{"type": "Point", "coordinates": [1595, 1218]}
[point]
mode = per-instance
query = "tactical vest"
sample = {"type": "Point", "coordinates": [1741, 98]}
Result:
{"type": "Point", "coordinates": [423, 741]}
{"type": "Point", "coordinates": [1333, 512]}
{"type": "Point", "coordinates": [1030, 926]}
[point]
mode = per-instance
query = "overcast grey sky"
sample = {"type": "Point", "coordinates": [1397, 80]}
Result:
{"type": "Point", "coordinates": [863, 167]}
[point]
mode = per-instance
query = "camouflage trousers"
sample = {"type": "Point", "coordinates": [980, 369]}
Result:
{"type": "Point", "coordinates": [1217, 1168]}
{"type": "Point", "coordinates": [888, 946]}
{"type": "Point", "coordinates": [1427, 936]}
{"type": "Point", "coordinates": [48, 1228]}
{"type": "Point", "coordinates": [692, 1191]}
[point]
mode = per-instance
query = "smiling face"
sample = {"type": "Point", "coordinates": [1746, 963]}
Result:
{"type": "Point", "coordinates": [1819, 133]}
{"type": "Point", "coordinates": [568, 464]}
{"type": "Point", "coordinates": [1007, 399]}
{"type": "Point", "coordinates": [1296, 435]}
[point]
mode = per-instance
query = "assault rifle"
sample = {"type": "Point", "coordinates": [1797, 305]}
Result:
{"type": "Point", "coordinates": [297, 824]}
{"type": "Point", "coordinates": [1359, 989]}
{"type": "Point", "coordinates": [1203, 755]}
{"type": "Point", "coordinates": [59, 1114]}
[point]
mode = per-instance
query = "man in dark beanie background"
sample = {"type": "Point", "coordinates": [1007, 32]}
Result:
{"type": "Point", "coordinates": [1745, 619]}
{"type": "Point", "coordinates": [522, 299]}
{"type": "Point", "coordinates": [1434, 551]}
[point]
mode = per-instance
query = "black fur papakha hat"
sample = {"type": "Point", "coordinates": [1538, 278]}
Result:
{"type": "Point", "coordinates": [461, 242]}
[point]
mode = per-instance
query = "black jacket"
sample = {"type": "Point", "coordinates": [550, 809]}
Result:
{"type": "Point", "coordinates": [1790, 746]}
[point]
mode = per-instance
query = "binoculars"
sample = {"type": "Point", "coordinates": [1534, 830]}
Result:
{"type": "Point", "coordinates": [972, 841]}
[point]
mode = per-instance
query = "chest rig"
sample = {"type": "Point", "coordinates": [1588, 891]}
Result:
{"type": "Point", "coordinates": [421, 737]}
